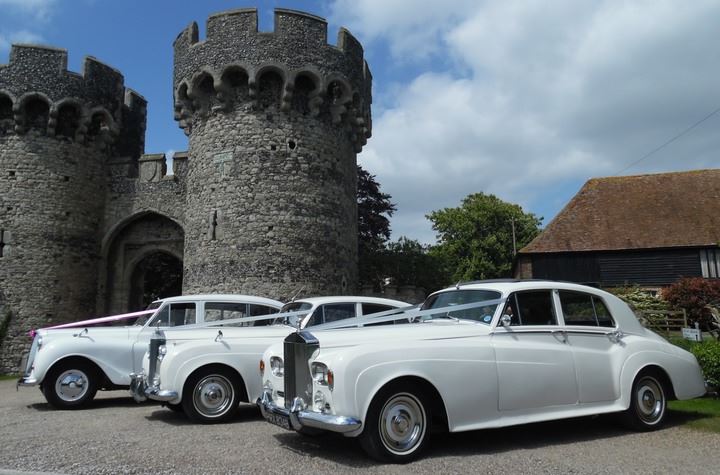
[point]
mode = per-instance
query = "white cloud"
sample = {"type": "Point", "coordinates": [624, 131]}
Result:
{"type": "Point", "coordinates": [22, 36]}
{"type": "Point", "coordinates": [538, 97]}
{"type": "Point", "coordinates": [39, 9]}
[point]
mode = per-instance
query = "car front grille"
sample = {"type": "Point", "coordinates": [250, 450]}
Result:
{"type": "Point", "coordinates": [155, 344]}
{"type": "Point", "coordinates": [298, 348]}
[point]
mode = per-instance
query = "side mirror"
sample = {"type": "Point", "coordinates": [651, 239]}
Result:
{"type": "Point", "coordinates": [505, 320]}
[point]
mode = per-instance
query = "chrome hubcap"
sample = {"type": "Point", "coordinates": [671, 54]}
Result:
{"type": "Point", "coordinates": [213, 395]}
{"type": "Point", "coordinates": [650, 400]}
{"type": "Point", "coordinates": [71, 385]}
{"type": "Point", "coordinates": [402, 423]}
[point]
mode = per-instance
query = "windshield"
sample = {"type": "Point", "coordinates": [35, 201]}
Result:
{"type": "Point", "coordinates": [294, 319]}
{"type": "Point", "coordinates": [481, 313]}
{"type": "Point", "coordinates": [142, 319]}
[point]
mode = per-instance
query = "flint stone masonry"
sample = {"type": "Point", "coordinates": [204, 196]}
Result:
{"type": "Point", "coordinates": [263, 202]}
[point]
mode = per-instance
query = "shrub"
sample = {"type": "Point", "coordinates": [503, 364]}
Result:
{"type": "Point", "coordinates": [693, 295]}
{"type": "Point", "coordinates": [642, 302]}
{"type": "Point", "coordinates": [708, 355]}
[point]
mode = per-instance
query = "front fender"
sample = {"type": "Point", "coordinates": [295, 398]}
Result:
{"type": "Point", "coordinates": [177, 366]}
{"type": "Point", "coordinates": [110, 363]}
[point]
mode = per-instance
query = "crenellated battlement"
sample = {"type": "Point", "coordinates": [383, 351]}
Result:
{"type": "Point", "coordinates": [292, 67]}
{"type": "Point", "coordinates": [44, 95]}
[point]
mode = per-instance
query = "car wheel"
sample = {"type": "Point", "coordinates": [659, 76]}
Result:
{"type": "Point", "coordinates": [70, 385]}
{"type": "Point", "coordinates": [647, 403]}
{"type": "Point", "coordinates": [397, 424]}
{"type": "Point", "coordinates": [211, 395]}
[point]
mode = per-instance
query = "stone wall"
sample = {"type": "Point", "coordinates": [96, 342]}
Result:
{"type": "Point", "coordinates": [264, 201]}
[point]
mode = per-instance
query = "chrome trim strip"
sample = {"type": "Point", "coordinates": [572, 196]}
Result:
{"type": "Point", "coordinates": [300, 418]}
{"type": "Point", "coordinates": [25, 381]}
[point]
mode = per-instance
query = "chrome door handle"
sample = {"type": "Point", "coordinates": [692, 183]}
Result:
{"type": "Point", "coordinates": [615, 336]}
{"type": "Point", "coordinates": [562, 333]}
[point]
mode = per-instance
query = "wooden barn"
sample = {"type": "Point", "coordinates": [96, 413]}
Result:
{"type": "Point", "coordinates": [649, 230]}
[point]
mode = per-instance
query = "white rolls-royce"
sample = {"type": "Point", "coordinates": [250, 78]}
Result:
{"type": "Point", "coordinates": [71, 362]}
{"type": "Point", "coordinates": [207, 372]}
{"type": "Point", "coordinates": [479, 355]}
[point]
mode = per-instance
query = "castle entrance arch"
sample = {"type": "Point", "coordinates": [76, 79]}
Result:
{"type": "Point", "coordinates": [157, 275]}
{"type": "Point", "coordinates": [143, 258]}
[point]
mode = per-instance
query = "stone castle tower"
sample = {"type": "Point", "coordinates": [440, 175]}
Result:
{"type": "Point", "coordinates": [262, 203]}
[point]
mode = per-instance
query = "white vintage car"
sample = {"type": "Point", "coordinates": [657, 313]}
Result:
{"type": "Point", "coordinates": [207, 372]}
{"type": "Point", "coordinates": [71, 364]}
{"type": "Point", "coordinates": [480, 355]}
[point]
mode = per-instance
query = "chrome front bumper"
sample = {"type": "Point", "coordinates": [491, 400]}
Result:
{"type": "Point", "coordinates": [26, 381]}
{"type": "Point", "coordinates": [297, 417]}
{"type": "Point", "coordinates": [141, 391]}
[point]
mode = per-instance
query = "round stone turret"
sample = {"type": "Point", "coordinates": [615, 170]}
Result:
{"type": "Point", "coordinates": [274, 123]}
{"type": "Point", "coordinates": [57, 130]}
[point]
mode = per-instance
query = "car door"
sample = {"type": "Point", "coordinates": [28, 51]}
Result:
{"type": "Point", "coordinates": [597, 352]}
{"type": "Point", "coordinates": [535, 364]}
{"type": "Point", "coordinates": [170, 315]}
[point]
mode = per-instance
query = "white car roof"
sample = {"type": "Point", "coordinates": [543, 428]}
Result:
{"type": "Point", "coordinates": [621, 312]}
{"type": "Point", "coordinates": [352, 299]}
{"type": "Point", "coordinates": [223, 298]}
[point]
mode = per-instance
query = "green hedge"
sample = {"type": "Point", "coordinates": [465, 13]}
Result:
{"type": "Point", "coordinates": [708, 355]}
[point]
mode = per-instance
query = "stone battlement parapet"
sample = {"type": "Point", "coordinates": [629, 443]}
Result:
{"type": "Point", "coordinates": [42, 93]}
{"type": "Point", "coordinates": [235, 61]}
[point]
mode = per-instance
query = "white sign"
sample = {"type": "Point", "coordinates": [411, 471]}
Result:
{"type": "Point", "coordinates": [692, 334]}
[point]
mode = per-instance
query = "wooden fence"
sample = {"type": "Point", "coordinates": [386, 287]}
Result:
{"type": "Point", "coordinates": [664, 321]}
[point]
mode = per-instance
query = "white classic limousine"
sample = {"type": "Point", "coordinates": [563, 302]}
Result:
{"type": "Point", "coordinates": [479, 355]}
{"type": "Point", "coordinates": [71, 362]}
{"type": "Point", "coordinates": [207, 372]}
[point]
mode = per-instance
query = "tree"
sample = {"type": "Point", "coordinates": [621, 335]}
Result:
{"type": "Point", "coordinates": [374, 209]}
{"type": "Point", "coordinates": [408, 262]}
{"type": "Point", "coordinates": [475, 241]}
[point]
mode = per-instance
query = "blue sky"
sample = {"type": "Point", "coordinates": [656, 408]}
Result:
{"type": "Point", "coordinates": [525, 99]}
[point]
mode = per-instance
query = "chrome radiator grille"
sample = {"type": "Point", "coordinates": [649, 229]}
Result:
{"type": "Point", "coordinates": [155, 344]}
{"type": "Point", "coordinates": [298, 348]}
{"type": "Point", "coordinates": [28, 359]}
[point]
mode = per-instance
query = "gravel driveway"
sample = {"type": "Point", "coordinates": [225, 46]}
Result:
{"type": "Point", "coordinates": [117, 435]}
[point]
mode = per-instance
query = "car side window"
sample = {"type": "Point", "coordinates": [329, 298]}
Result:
{"type": "Point", "coordinates": [532, 307]}
{"type": "Point", "coordinates": [368, 308]}
{"type": "Point", "coordinates": [217, 311]}
{"type": "Point", "coordinates": [258, 310]}
{"type": "Point", "coordinates": [175, 315]}
{"type": "Point", "coordinates": [332, 312]}
{"type": "Point", "coordinates": [584, 309]}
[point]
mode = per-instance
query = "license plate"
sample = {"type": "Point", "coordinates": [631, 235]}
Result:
{"type": "Point", "coordinates": [279, 420]}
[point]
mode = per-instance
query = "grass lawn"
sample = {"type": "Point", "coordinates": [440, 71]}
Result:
{"type": "Point", "coordinates": [701, 414]}
{"type": "Point", "coordinates": [5, 377]}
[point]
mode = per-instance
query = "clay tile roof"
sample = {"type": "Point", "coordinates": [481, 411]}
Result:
{"type": "Point", "coordinates": [637, 212]}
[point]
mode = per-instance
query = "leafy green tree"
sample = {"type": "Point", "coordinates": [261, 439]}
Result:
{"type": "Point", "coordinates": [374, 209]}
{"type": "Point", "coordinates": [408, 262]}
{"type": "Point", "coordinates": [475, 241]}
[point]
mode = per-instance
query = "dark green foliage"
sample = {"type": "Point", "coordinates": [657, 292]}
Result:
{"type": "Point", "coordinates": [374, 208]}
{"type": "Point", "coordinates": [708, 355]}
{"type": "Point", "coordinates": [407, 262]}
{"type": "Point", "coordinates": [475, 241]}
{"type": "Point", "coordinates": [694, 295]}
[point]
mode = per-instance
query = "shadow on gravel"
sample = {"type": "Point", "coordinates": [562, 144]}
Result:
{"type": "Point", "coordinates": [346, 451]}
{"type": "Point", "coordinates": [96, 404]}
{"type": "Point", "coordinates": [245, 413]}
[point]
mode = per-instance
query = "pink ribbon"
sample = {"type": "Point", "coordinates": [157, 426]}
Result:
{"type": "Point", "coordinates": [92, 321]}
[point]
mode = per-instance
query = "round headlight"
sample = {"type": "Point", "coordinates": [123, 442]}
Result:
{"type": "Point", "coordinates": [162, 351]}
{"type": "Point", "coordinates": [39, 341]}
{"type": "Point", "coordinates": [322, 374]}
{"type": "Point", "coordinates": [276, 366]}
